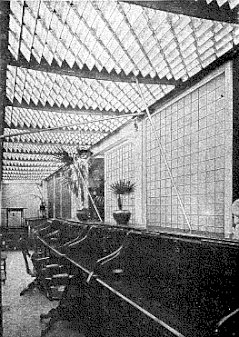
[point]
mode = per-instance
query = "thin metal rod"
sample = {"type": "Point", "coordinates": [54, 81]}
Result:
{"type": "Point", "coordinates": [164, 157]}
{"type": "Point", "coordinates": [146, 312]}
{"type": "Point", "coordinates": [88, 191]}
{"type": "Point", "coordinates": [225, 318]}
{"type": "Point", "coordinates": [68, 125]}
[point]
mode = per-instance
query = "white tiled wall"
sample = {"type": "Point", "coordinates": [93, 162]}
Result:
{"type": "Point", "coordinates": [50, 197]}
{"type": "Point", "coordinates": [119, 164]}
{"type": "Point", "coordinates": [195, 131]}
{"type": "Point", "coordinates": [193, 135]}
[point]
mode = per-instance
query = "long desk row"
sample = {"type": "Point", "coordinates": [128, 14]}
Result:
{"type": "Point", "coordinates": [136, 283]}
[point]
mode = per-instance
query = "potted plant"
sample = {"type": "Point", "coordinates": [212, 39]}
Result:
{"type": "Point", "coordinates": [120, 188]}
{"type": "Point", "coordinates": [42, 206]}
{"type": "Point", "coordinates": [75, 176]}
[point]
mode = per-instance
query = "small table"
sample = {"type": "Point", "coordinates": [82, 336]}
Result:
{"type": "Point", "coordinates": [12, 210]}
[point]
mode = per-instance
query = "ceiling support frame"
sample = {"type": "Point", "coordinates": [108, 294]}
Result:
{"type": "Point", "coordinates": [85, 72]}
{"type": "Point", "coordinates": [31, 130]}
{"type": "Point", "coordinates": [30, 152]}
{"type": "Point", "coordinates": [61, 127]}
{"type": "Point", "coordinates": [62, 109]}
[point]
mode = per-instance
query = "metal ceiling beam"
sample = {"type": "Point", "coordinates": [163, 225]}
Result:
{"type": "Point", "coordinates": [10, 178]}
{"type": "Point", "coordinates": [74, 145]}
{"type": "Point", "coordinates": [47, 168]}
{"type": "Point", "coordinates": [61, 127]}
{"type": "Point", "coordinates": [21, 161]}
{"type": "Point", "coordinates": [24, 168]}
{"type": "Point", "coordinates": [29, 157]}
{"type": "Point", "coordinates": [85, 72]}
{"type": "Point", "coordinates": [62, 109]}
{"type": "Point", "coordinates": [29, 168]}
{"type": "Point", "coordinates": [24, 151]}
{"type": "Point", "coordinates": [199, 9]}
{"type": "Point", "coordinates": [28, 177]}
{"type": "Point", "coordinates": [28, 172]}
{"type": "Point", "coordinates": [35, 130]}
{"type": "Point", "coordinates": [37, 176]}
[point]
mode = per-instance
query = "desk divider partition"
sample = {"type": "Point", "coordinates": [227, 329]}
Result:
{"type": "Point", "coordinates": [137, 283]}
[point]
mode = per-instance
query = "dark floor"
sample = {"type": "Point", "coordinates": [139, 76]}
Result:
{"type": "Point", "coordinates": [21, 313]}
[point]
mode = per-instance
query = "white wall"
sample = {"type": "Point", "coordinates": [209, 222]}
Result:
{"type": "Point", "coordinates": [20, 194]}
{"type": "Point", "coordinates": [123, 160]}
{"type": "Point", "coordinates": [195, 131]}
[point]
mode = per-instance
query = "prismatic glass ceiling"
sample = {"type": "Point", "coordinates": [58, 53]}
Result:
{"type": "Point", "coordinates": [73, 66]}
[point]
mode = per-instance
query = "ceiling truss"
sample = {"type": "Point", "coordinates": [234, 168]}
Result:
{"type": "Point", "coordinates": [62, 109]}
{"type": "Point", "coordinates": [76, 63]}
{"type": "Point", "coordinates": [85, 72]}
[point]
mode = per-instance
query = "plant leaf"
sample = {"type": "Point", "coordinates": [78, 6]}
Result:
{"type": "Point", "coordinates": [122, 187]}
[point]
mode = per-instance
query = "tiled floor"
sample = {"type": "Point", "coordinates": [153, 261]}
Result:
{"type": "Point", "coordinates": [21, 313]}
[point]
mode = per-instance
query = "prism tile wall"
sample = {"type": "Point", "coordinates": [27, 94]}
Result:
{"type": "Point", "coordinates": [58, 195]}
{"type": "Point", "coordinates": [193, 135]}
{"type": "Point", "coordinates": [119, 164]}
{"type": "Point", "coordinates": [50, 197]}
{"type": "Point", "coordinates": [66, 202]}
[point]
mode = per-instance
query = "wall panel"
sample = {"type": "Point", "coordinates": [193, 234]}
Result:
{"type": "Point", "coordinates": [119, 164]}
{"type": "Point", "coordinates": [58, 195]}
{"type": "Point", "coordinates": [50, 196]}
{"type": "Point", "coordinates": [66, 202]}
{"type": "Point", "coordinates": [194, 137]}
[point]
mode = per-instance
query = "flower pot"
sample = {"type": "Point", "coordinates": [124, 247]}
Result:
{"type": "Point", "coordinates": [42, 208]}
{"type": "Point", "coordinates": [42, 211]}
{"type": "Point", "coordinates": [122, 217]}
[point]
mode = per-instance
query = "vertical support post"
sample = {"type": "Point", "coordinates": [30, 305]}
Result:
{"type": "Point", "coordinates": [138, 141]}
{"type": "Point", "coordinates": [229, 229]}
{"type": "Point", "coordinates": [61, 195]}
{"type": "Point", "coordinates": [4, 26]}
{"type": "Point", "coordinates": [45, 195]}
{"type": "Point", "coordinates": [231, 142]}
{"type": "Point", "coordinates": [54, 196]}
{"type": "Point", "coordinates": [144, 174]}
{"type": "Point", "coordinates": [235, 146]}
